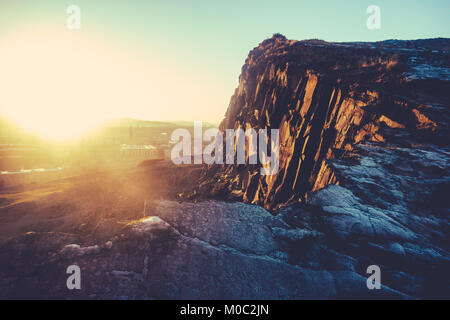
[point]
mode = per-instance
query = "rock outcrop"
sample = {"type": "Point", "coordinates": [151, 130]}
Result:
{"type": "Point", "coordinates": [208, 250]}
{"type": "Point", "coordinates": [325, 98]}
{"type": "Point", "coordinates": [219, 250]}
{"type": "Point", "coordinates": [363, 181]}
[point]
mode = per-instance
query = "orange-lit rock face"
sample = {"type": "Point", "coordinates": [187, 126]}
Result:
{"type": "Point", "coordinates": [323, 98]}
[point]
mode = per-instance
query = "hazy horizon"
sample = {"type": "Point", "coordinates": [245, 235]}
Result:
{"type": "Point", "coordinates": [161, 61]}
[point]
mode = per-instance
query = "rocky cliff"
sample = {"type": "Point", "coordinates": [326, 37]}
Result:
{"type": "Point", "coordinates": [363, 181]}
{"type": "Point", "coordinates": [325, 99]}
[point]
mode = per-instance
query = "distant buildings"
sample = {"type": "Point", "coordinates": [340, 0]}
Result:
{"type": "Point", "coordinates": [23, 177]}
{"type": "Point", "coordinates": [143, 152]}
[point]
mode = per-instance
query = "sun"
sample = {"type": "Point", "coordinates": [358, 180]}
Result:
{"type": "Point", "coordinates": [61, 85]}
{"type": "Point", "coordinates": [58, 128]}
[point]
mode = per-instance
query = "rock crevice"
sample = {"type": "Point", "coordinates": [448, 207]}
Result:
{"type": "Point", "coordinates": [324, 98]}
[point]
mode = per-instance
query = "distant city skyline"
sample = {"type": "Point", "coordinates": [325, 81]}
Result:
{"type": "Point", "coordinates": [165, 60]}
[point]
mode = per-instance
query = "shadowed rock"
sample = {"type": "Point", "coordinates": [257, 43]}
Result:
{"type": "Point", "coordinates": [363, 180]}
{"type": "Point", "coordinates": [325, 98]}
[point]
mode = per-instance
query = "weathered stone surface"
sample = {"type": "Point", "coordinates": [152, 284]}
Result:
{"type": "Point", "coordinates": [363, 180]}
{"type": "Point", "coordinates": [208, 250]}
{"type": "Point", "coordinates": [325, 98]}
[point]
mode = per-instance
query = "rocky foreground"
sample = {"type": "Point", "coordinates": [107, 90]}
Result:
{"type": "Point", "coordinates": [364, 180]}
{"type": "Point", "coordinates": [218, 250]}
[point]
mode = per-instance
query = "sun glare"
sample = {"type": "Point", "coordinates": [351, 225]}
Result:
{"type": "Point", "coordinates": [61, 85]}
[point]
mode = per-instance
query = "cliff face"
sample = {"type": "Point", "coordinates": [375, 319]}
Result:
{"type": "Point", "coordinates": [325, 98]}
{"type": "Point", "coordinates": [370, 117]}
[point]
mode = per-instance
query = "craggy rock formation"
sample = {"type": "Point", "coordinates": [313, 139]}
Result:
{"type": "Point", "coordinates": [194, 251]}
{"type": "Point", "coordinates": [325, 98]}
{"type": "Point", "coordinates": [364, 147]}
{"type": "Point", "coordinates": [218, 250]}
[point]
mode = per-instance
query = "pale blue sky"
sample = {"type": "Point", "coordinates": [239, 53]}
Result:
{"type": "Point", "coordinates": [211, 39]}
